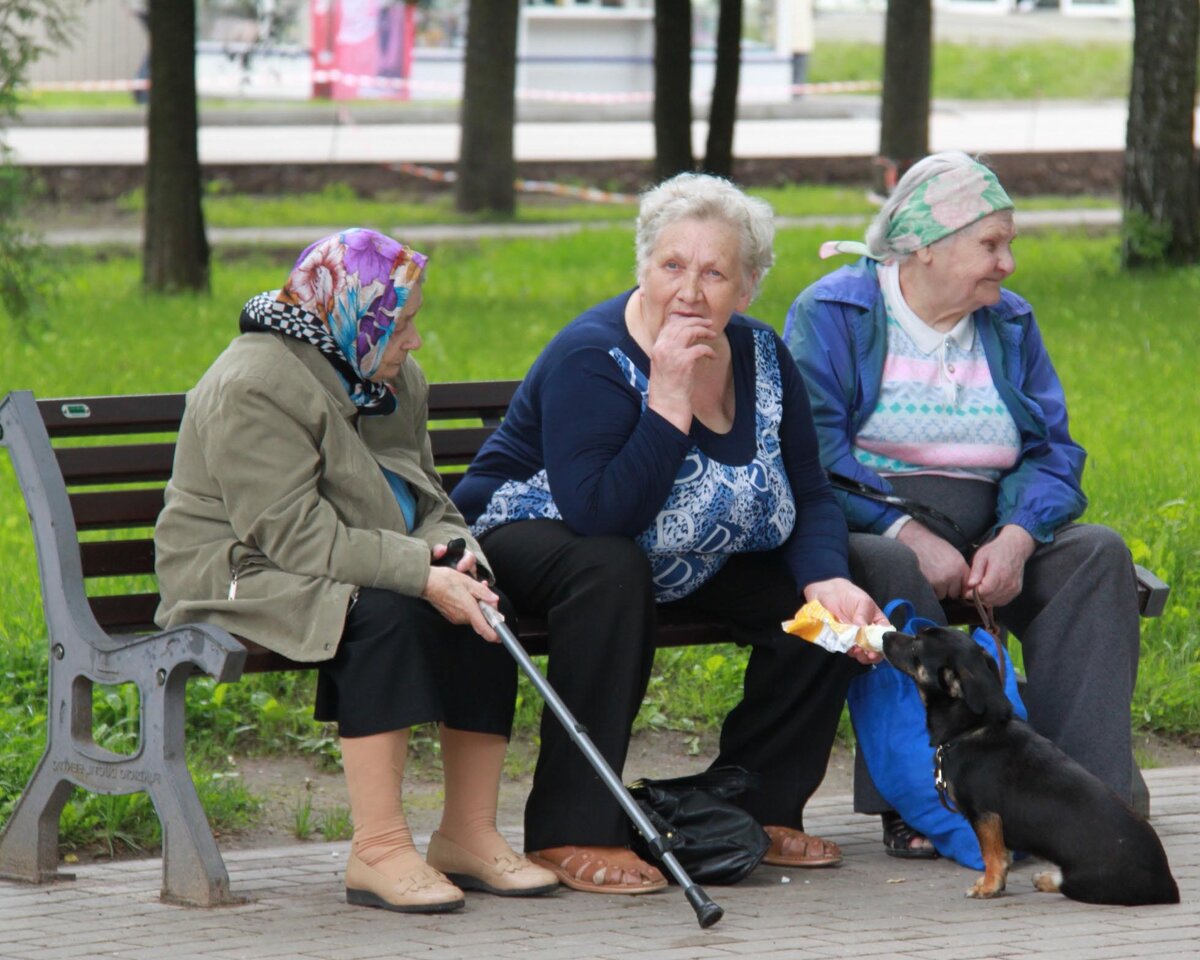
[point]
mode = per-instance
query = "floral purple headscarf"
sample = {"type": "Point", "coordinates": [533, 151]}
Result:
{"type": "Point", "coordinates": [343, 296]}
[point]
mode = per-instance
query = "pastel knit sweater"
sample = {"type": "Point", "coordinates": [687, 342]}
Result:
{"type": "Point", "coordinates": [938, 410]}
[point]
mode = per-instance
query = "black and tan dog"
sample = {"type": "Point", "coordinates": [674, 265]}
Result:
{"type": "Point", "coordinates": [1018, 790]}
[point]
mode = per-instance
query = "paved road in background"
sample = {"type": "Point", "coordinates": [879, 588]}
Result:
{"type": "Point", "coordinates": [987, 127]}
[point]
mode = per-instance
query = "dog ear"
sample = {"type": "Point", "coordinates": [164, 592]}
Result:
{"type": "Point", "coordinates": [983, 695]}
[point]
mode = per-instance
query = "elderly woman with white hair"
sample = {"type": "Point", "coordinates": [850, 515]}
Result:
{"type": "Point", "coordinates": [930, 383]}
{"type": "Point", "coordinates": [661, 453]}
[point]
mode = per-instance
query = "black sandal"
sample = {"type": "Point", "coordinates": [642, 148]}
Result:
{"type": "Point", "coordinates": [898, 837]}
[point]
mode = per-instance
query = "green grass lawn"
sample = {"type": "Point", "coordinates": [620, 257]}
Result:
{"type": "Point", "coordinates": [1124, 346]}
{"type": "Point", "coordinates": [979, 71]}
{"type": "Point", "coordinates": [414, 204]}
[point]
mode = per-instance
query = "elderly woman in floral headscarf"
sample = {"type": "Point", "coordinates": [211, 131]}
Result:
{"type": "Point", "coordinates": [930, 382]}
{"type": "Point", "coordinates": [304, 514]}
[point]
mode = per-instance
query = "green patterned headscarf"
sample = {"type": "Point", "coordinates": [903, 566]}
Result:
{"type": "Point", "coordinates": [940, 206]}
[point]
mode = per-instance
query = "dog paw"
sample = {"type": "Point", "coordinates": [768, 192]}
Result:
{"type": "Point", "coordinates": [984, 890]}
{"type": "Point", "coordinates": [1048, 881]}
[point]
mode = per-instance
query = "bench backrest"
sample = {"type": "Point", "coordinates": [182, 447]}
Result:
{"type": "Point", "coordinates": [115, 477]}
{"type": "Point", "coordinates": [115, 456]}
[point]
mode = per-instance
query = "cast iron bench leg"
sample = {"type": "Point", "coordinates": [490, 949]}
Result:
{"type": "Point", "coordinates": [193, 871]}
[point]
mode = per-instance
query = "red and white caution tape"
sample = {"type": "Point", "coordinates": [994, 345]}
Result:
{"type": "Point", "coordinates": [91, 86]}
{"type": "Point", "coordinates": [525, 186]}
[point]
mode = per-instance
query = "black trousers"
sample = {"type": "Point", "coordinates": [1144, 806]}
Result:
{"type": "Point", "coordinates": [400, 663]}
{"type": "Point", "coordinates": [597, 597]}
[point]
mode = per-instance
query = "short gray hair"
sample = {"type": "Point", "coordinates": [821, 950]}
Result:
{"type": "Point", "coordinates": [700, 196]}
{"type": "Point", "coordinates": [932, 166]}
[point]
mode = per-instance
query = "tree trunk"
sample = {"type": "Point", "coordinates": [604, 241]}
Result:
{"type": "Point", "coordinates": [175, 255]}
{"type": "Point", "coordinates": [722, 113]}
{"type": "Point", "coordinates": [1159, 192]}
{"type": "Point", "coordinates": [486, 165]}
{"type": "Point", "coordinates": [904, 111]}
{"type": "Point", "coordinates": [672, 87]}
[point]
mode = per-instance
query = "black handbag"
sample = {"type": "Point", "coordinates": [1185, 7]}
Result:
{"type": "Point", "coordinates": [715, 841]}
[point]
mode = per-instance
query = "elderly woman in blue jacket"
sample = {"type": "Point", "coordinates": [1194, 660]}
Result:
{"type": "Point", "coordinates": [930, 383]}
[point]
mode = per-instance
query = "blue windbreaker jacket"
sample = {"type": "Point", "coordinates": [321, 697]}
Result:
{"type": "Point", "coordinates": [837, 331]}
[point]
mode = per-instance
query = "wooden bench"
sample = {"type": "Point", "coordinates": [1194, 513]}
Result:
{"type": "Point", "coordinates": [92, 471]}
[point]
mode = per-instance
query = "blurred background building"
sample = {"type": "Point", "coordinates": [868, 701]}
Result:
{"type": "Point", "coordinates": [391, 49]}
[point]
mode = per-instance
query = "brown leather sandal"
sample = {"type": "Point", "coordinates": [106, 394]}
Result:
{"type": "Point", "coordinates": [589, 868]}
{"type": "Point", "coordinates": [795, 848]}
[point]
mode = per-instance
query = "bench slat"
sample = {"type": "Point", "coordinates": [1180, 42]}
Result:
{"type": "Point", "coordinates": [152, 462]}
{"type": "Point", "coordinates": [117, 558]}
{"type": "Point", "coordinates": [125, 613]}
{"type": "Point", "coordinates": [92, 416]}
{"type": "Point", "coordinates": [161, 412]}
{"type": "Point", "coordinates": [133, 463]}
{"type": "Point", "coordinates": [470, 398]}
{"type": "Point", "coordinates": [457, 445]}
{"type": "Point", "coordinates": [116, 509]}
{"type": "Point", "coordinates": [134, 613]}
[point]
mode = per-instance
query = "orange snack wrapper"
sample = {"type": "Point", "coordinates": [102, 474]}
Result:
{"type": "Point", "coordinates": [815, 624]}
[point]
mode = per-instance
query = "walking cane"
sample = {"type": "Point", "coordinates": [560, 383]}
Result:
{"type": "Point", "coordinates": [707, 912]}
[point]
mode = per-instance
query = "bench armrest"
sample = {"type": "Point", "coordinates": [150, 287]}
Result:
{"type": "Point", "coordinates": [1152, 592]}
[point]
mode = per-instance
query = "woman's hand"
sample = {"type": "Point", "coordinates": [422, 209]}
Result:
{"type": "Point", "coordinates": [998, 567]}
{"type": "Point", "coordinates": [681, 344]}
{"type": "Point", "coordinates": [941, 564]}
{"type": "Point", "coordinates": [848, 604]}
{"type": "Point", "coordinates": [456, 594]}
{"type": "Point", "coordinates": [466, 563]}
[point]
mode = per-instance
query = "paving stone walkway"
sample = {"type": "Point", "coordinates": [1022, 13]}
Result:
{"type": "Point", "coordinates": [871, 906]}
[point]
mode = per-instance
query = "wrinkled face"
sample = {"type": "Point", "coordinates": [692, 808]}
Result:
{"type": "Point", "coordinates": [404, 338]}
{"type": "Point", "coordinates": [695, 270]}
{"type": "Point", "coordinates": [968, 267]}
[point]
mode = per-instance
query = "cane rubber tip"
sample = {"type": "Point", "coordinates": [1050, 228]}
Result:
{"type": "Point", "coordinates": [708, 915]}
{"type": "Point", "coordinates": [707, 912]}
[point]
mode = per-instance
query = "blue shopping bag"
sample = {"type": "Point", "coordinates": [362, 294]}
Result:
{"type": "Point", "coordinates": [889, 724]}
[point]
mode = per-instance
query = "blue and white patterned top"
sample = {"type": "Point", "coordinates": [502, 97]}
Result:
{"type": "Point", "coordinates": [580, 445]}
{"type": "Point", "coordinates": [713, 509]}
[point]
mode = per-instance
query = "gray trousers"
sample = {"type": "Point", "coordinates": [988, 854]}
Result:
{"type": "Point", "coordinates": [1076, 619]}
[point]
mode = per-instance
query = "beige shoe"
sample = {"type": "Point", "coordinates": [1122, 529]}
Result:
{"type": "Point", "coordinates": [510, 875]}
{"type": "Point", "coordinates": [424, 890]}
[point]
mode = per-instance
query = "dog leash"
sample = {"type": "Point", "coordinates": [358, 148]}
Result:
{"type": "Point", "coordinates": [913, 508]}
{"type": "Point", "coordinates": [987, 619]}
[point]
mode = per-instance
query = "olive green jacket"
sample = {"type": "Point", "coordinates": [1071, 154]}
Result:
{"type": "Point", "coordinates": [277, 486]}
